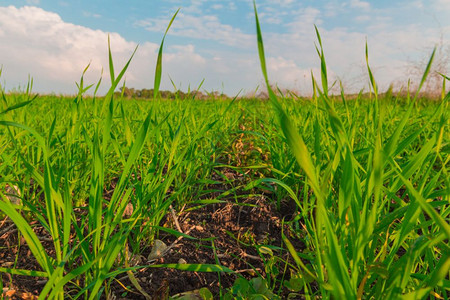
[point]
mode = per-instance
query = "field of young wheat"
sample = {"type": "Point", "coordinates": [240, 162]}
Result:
{"type": "Point", "coordinates": [327, 197]}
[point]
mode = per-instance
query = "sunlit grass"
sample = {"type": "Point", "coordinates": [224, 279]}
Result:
{"type": "Point", "coordinates": [348, 217]}
{"type": "Point", "coordinates": [368, 177]}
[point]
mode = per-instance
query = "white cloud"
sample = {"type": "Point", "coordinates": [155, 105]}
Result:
{"type": "Point", "coordinates": [417, 4]}
{"type": "Point", "coordinates": [362, 18]}
{"type": "Point", "coordinates": [360, 4]}
{"type": "Point", "coordinates": [196, 6]}
{"type": "Point", "coordinates": [305, 20]}
{"type": "Point", "coordinates": [91, 15]}
{"type": "Point", "coordinates": [392, 50]}
{"type": "Point", "coordinates": [54, 53]}
{"type": "Point", "coordinates": [217, 6]}
{"type": "Point", "coordinates": [281, 2]}
{"type": "Point", "coordinates": [331, 9]}
{"type": "Point", "coordinates": [206, 27]}
{"type": "Point", "coordinates": [287, 74]}
{"type": "Point", "coordinates": [441, 4]}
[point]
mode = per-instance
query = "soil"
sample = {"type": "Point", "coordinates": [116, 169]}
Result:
{"type": "Point", "coordinates": [227, 234]}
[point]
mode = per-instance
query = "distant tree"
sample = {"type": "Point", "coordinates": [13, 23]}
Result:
{"type": "Point", "coordinates": [147, 94]}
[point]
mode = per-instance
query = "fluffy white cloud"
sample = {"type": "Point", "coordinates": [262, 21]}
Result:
{"type": "Point", "coordinates": [443, 5]}
{"type": "Point", "coordinates": [217, 6]}
{"type": "Point", "coordinates": [287, 74]}
{"type": "Point", "coordinates": [205, 27]}
{"type": "Point", "coordinates": [360, 4]}
{"type": "Point", "coordinates": [392, 53]}
{"type": "Point", "coordinates": [394, 48]}
{"type": "Point", "coordinates": [39, 43]}
{"type": "Point", "coordinates": [362, 18]}
{"type": "Point", "coordinates": [281, 2]}
{"type": "Point", "coordinates": [307, 18]}
{"type": "Point", "coordinates": [54, 53]}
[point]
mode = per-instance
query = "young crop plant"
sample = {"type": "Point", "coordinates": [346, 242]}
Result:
{"type": "Point", "coordinates": [96, 238]}
{"type": "Point", "coordinates": [375, 224]}
{"type": "Point", "coordinates": [355, 190]}
{"type": "Point", "coordinates": [94, 184]}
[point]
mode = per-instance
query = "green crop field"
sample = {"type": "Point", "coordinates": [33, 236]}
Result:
{"type": "Point", "coordinates": [327, 197]}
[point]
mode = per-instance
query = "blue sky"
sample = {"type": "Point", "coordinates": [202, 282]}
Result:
{"type": "Point", "coordinates": [215, 40]}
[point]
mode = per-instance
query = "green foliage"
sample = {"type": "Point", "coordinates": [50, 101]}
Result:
{"type": "Point", "coordinates": [365, 179]}
{"type": "Point", "coordinates": [256, 288]}
{"type": "Point", "coordinates": [352, 193]}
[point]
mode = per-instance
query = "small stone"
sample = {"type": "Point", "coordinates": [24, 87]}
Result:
{"type": "Point", "coordinates": [128, 210]}
{"type": "Point", "coordinates": [199, 228]}
{"type": "Point", "coordinates": [182, 261]}
{"type": "Point", "coordinates": [13, 194]}
{"type": "Point", "coordinates": [158, 249]}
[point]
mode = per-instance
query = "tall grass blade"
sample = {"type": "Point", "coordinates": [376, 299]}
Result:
{"type": "Point", "coordinates": [158, 70]}
{"type": "Point", "coordinates": [295, 141]}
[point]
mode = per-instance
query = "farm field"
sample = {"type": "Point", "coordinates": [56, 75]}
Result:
{"type": "Point", "coordinates": [111, 198]}
{"type": "Point", "coordinates": [227, 173]}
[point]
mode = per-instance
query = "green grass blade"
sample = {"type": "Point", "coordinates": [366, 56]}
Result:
{"type": "Point", "coordinates": [194, 267]}
{"type": "Point", "coordinates": [425, 73]}
{"type": "Point", "coordinates": [21, 272]}
{"type": "Point", "coordinates": [158, 70]}
{"type": "Point", "coordinates": [295, 141]}
{"type": "Point", "coordinates": [323, 64]}
{"type": "Point", "coordinates": [18, 105]}
{"type": "Point", "coordinates": [371, 77]}
{"type": "Point", "coordinates": [32, 240]}
{"type": "Point", "coordinates": [111, 63]}
{"type": "Point", "coordinates": [443, 224]}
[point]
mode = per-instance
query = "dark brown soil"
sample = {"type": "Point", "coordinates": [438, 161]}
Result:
{"type": "Point", "coordinates": [231, 226]}
{"type": "Point", "coordinates": [227, 234]}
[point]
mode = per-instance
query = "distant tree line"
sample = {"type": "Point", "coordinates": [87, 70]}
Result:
{"type": "Point", "coordinates": [132, 93]}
